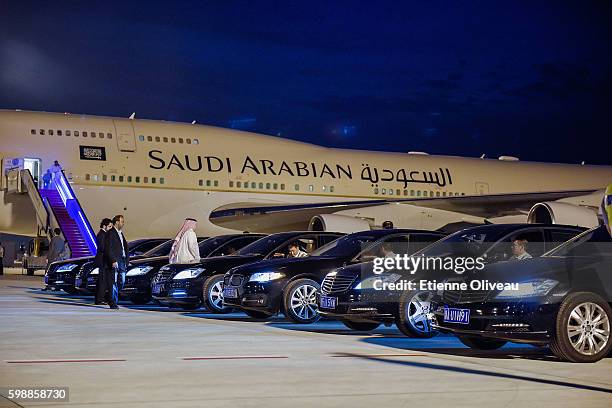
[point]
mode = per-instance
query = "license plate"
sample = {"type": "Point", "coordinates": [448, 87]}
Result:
{"type": "Point", "coordinates": [230, 292]}
{"type": "Point", "coordinates": [453, 315]}
{"type": "Point", "coordinates": [78, 282]}
{"type": "Point", "coordinates": [328, 302]}
{"type": "Point", "coordinates": [157, 288]}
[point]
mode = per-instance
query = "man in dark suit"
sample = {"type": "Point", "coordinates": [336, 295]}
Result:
{"type": "Point", "coordinates": [116, 260]}
{"type": "Point", "coordinates": [105, 226]}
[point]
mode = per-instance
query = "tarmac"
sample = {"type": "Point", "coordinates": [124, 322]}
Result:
{"type": "Point", "coordinates": [150, 356]}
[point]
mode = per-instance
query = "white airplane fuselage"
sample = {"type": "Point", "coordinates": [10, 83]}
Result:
{"type": "Point", "coordinates": [157, 173]}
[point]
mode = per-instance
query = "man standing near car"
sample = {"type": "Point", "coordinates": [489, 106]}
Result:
{"type": "Point", "coordinates": [105, 226]}
{"type": "Point", "coordinates": [116, 254]}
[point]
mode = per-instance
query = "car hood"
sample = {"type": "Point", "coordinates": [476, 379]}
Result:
{"type": "Point", "coordinates": [286, 263]}
{"type": "Point", "coordinates": [215, 264]}
{"type": "Point", "coordinates": [155, 261]}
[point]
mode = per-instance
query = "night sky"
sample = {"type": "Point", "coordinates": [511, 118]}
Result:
{"type": "Point", "coordinates": [531, 79]}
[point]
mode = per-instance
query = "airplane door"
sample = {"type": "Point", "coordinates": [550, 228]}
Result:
{"type": "Point", "coordinates": [126, 141]}
{"type": "Point", "coordinates": [482, 188]}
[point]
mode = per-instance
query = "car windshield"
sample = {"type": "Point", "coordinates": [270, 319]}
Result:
{"type": "Point", "coordinates": [347, 246]}
{"type": "Point", "coordinates": [160, 250]}
{"type": "Point", "coordinates": [264, 245]}
{"type": "Point", "coordinates": [596, 241]}
{"type": "Point", "coordinates": [210, 244]}
{"type": "Point", "coordinates": [471, 242]}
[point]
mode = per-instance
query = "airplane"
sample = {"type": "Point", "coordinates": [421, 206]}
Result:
{"type": "Point", "coordinates": [157, 173]}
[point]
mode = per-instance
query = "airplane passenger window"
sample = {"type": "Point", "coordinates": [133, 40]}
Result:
{"type": "Point", "coordinates": [121, 179]}
{"type": "Point", "coordinates": [33, 131]}
{"type": "Point", "coordinates": [50, 132]}
{"type": "Point", "coordinates": [216, 183]}
{"type": "Point", "coordinates": [42, 131]}
{"type": "Point", "coordinates": [165, 140]}
{"type": "Point", "coordinates": [141, 138]}
{"type": "Point", "coordinates": [84, 134]}
{"type": "Point", "coordinates": [157, 139]}
{"type": "Point", "coordinates": [376, 191]}
{"type": "Point", "coordinates": [112, 178]}
{"type": "Point", "coordinates": [282, 186]}
{"type": "Point", "coordinates": [129, 179]}
{"type": "Point", "coordinates": [87, 177]}
{"type": "Point", "coordinates": [310, 187]}
{"type": "Point", "coordinates": [397, 191]}
{"type": "Point", "coordinates": [207, 183]}
{"type": "Point", "coordinates": [231, 184]}
{"type": "Point", "coordinates": [275, 186]}
{"type": "Point", "coordinates": [418, 193]}
{"type": "Point", "coordinates": [149, 138]}
{"type": "Point", "coordinates": [101, 135]}
{"type": "Point", "coordinates": [173, 140]}
{"type": "Point", "coordinates": [146, 179]}
{"type": "Point", "coordinates": [200, 183]}
{"type": "Point", "coordinates": [188, 141]}
{"type": "Point", "coordinates": [153, 180]}
{"type": "Point", "coordinates": [196, 141]}
{"type": "Point", "coordinates": [260, 185]}
{"type": "Point", "coordinates": [253, 185]}
{"type": "Point", "coordinates": [59, 132]}
{"type": "Point", "coordinates": [76, 133]}
{"type": "Point", "coordinates": [297, 187]}
{"type": "Point", "coordinates": [93, 134]}
{"type": "Point", "coordinates": [67, 133]}
{"type": "Point", "coordinates": [104, 177]}
{"type": "Point", "coordinates": [331, 189]}
{"type": "Point", "coordinates": [109, 135]}
{"type": "Point", "coordinates": [267, 186]}
{"type": "Point", "coordinates": [138, 179]}
{"type": "Point", "coordinates": [161, 180]}
{"type": "Point", "coordinates": [180, 140]}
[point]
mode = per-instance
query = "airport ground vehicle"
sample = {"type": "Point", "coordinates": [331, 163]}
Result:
{"type": "Point", "coordinates": [190, 285]}
{"type": "Point", "coordinates": [290, 285]}
{"type": "Point", "coordinates": [360, 306]}
{"type": "Point", "coordinates": [63, 274]}
{"type": "Point", "coordinates": [563, 300]}
{"type": "Point", "coordinates": [141, 272]}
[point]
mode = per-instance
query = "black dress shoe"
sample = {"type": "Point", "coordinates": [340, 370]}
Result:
{"type": "Point", "coordinates": [114, 307]}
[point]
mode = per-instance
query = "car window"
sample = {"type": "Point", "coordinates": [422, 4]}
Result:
{"type": "Point", "coordinates": [595, 242]}
{"type": "Point", "coordinates": [387, 247]}
{"type": "Point", "coordinates": [502, 250]}
{"type": "Point", "coordinates": [558, 237]}
{"type": "Point", "coordinates": [306, 243]}
{"type": "Point", "coordinates": [420, 241]}
{"type": "Point", "coordinates": [232, 246]}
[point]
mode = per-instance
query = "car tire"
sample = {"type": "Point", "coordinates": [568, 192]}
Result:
{"type": "Point", "coordinates": [300, 301]}
{"type": "Point", "coordinates": [140, 299]}
{"type": "Point", "coordinates": [212, 293]}
{"type": "Point", "coordinates": [579, 310]}
{"type": "Point", "coordinates": [256, 314]}
{"type": "Point", "coordinates": [360, 326]}
{"type": "Point", "coordinates": [481, 343]}
{"type": "Point", "coordinates": [411, 318]}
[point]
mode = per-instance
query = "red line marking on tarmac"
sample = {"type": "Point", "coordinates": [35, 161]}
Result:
{"type": "Point", "coordinates": [378, 355]}
{"type": "Point", "coordinates": [97, 360]}
{"type": "Point", "coordinates": [231, 358]}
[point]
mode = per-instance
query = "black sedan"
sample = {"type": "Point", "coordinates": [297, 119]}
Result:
{"type": "Point", "coordinates": [290, 285]}
{"type": "Point", "coordinates": [350, 294]}
{"type": "Point", "coordinates": [190, 285]}
{"type": "Point", "coordinates": [62, 274]}
{"type": "Point", "coordinates": [561, 299]}
{"type": "Point", "coordinates": [141, 272]}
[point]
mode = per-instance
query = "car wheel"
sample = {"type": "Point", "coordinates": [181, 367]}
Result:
{"type": "Point", "coordinates": [255, 314]}
{"type": "Point", "coordinates": [582, 329]}
{"type": "Point", "coordinates": [412, 317]}
{"type": "Point", "coordinates": [360, 326]}
{"type": "Point", "coordinates": [212, 293]}
{"type": "Point", "coordinates": [300, 301]}
{"type": "Point", "coordinates": [480, 343]}
{"type": "Point", "coordinates": [140, 299]}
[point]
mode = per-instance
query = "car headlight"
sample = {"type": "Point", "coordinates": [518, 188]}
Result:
{"type": "Point", "coordinates": [188, 273]}
{"type": "Point", "coordinates": [530, 288]}
{"type": "Point", "coordinates": [66, 268]}
{"type": "Point", "coordinates": [266, 276]}
{"type": "Point", "coordinates": [95, 271]}
{"type": "Point", "coordinates": [369, 282]}
{"type": "Point", "coordinates": [139, 270]}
